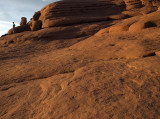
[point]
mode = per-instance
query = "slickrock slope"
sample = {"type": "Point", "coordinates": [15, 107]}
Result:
{"type": "Point", "coordinates": [106, 69]}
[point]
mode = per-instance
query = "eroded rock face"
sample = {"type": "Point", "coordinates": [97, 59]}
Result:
{"type": "Point", "coordinates": [68, 13]}
{"type": "Point", "coordinates": [72, 72]}
{"type": "Point", "coordinates": [36, 25]}
{"type": "Point", "coordinates": [36, 15]}
{"type": "Point", "coordinates": [138, 23]}
{"type": "Point", "coordinates": [98, 78]}
{"type": "Point", "coordinates": [19, 29]}
{"type": "Point", "coordinates": [140, 3]}
{"type": "Point", "coordinates": [23, 21]}
{"type": "Point", "coordinates": [156, 3]}
{"type": "Point", "coordinates": [130, 4]}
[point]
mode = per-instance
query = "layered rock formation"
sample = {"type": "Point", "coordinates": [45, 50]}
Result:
{"type": "Point", "coordinates": [36, 25]}
{"type": "Point", "coordinates": [67, 13]}
{"type": "Point", "coordinates": [140, 3]}
{"type": "Point", "coordinates": [108, 69]}
{"type": "Point", "coordinates": [130, 4]}
{"type": "Point", "coordinates": [136, 24]}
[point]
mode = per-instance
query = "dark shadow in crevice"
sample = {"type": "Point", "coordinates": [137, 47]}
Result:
{"type": "Point", "coordinates": [149, 54]}
{"type": "Point", "coordinates": [150, 24]}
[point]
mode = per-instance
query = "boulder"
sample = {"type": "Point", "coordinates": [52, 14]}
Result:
{"type": "Point", "coordinates": [36, 25]}
{"type": "Point", "coordinates": [70, 12]}
{"type": "Point", "coordinates": [19, 29]}
{"type": "Point", "coordinates": [36, 16]}
{"type": "Point", "coordinates": [23, 21]}
{"type": "Point", "coordinates": [148, 7]}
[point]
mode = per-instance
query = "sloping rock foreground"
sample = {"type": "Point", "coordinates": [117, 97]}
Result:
{"type": "Point", "coordinates": [96, 70]}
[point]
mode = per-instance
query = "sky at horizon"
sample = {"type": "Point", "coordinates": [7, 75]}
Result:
{"type": "Point", "coordinates": [13, 10]}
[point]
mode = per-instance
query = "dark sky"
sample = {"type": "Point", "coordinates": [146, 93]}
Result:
{"type": "Point", "coordinates": [13, 10]}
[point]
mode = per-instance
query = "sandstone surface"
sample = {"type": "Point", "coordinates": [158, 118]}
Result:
{"type": "Point", "coordinates": [133, 4]}
{"type": "Point", "coordinates": [36, 25]}
{"type": "Point", "coordinates": [23, 21]}
{"type": "Point", "coordinates": [19, 29]}
{"type": "Point", "coordinates": [108, 69]}
{"type": "Point", "coordinates": [36, 15]}
{"type": "Point", "coordinates": [67, 13]}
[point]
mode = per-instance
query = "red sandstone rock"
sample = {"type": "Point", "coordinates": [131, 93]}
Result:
{"type": "Point", "coordinates": [19, 29]}
{"type": "Point", "coordinates": [130, 4]}
{"type": "Point", "coordinates": [36, 16]}
{"type": "Point", "coordinates": [67, 72]}
{"type": "Point", "coordinates": [148, 21]}
{"type": "Point", "coordinates": [23, 21]}
{"type": "Point", "coordinates": [157, 53]}
{"type": "Point", "coordinates": [36, 25]}
{"type": "Point", "coordinates": [67, 13]}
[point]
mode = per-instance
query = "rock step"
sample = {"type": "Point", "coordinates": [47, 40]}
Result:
{"type": "Point", "coordinates": [133, 4]}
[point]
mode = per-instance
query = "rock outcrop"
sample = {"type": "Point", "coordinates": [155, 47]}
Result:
{"type": "Point", "coordinates": [131, 4]}
{"type": "Point", "coordinates": [23, 21]}
{"type": "Point", "coordinates": [22, 28]}
{"type": "Point", "coordinates": [149, 21]}
{"type": "Point", "coordinates": [136, 7]}
{"type": "Point", "coordinates": [83, 69]}
{"type": "Point", "coordinates": [36, 25]}
{"type": "Point", "coordinates": [137, 24]}
{"type": "Point", "coordinates": [156, 3]}
{"type": "Point", "coordinates": [36, 16]}
{"type": "Point", "coordinates": [69, 13]}
{"type": "Point", "coordinates": [19, 29]}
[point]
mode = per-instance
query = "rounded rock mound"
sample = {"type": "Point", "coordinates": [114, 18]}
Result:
{"type": "Point", "coordinates": [71, 12]}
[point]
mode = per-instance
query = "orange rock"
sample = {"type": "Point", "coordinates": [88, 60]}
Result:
{"type": "Point", "coordinates": [36, 25]}
{"type": "Point", "coordinates": [20, 29]}
{"type": "Point", "coordinates": [36, 15]}
{"type": "Point", "coordinates": [68, 72]}
{"type": "Point", "coordinates": [23, 21]}
{"type": "Point", "coordinates": [67, 13]}
{"type": "Point", "coordinates": [151, 20]}
{"type": "Point", "coordinates": [157, 53]}
{"type": "Point", "coordinates": [130, 4]}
